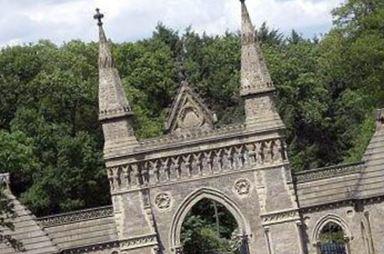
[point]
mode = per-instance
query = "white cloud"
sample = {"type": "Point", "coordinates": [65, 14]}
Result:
{"type": "Point", "coordinates": [61, 20]}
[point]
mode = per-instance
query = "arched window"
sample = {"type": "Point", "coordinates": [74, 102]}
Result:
{"type": "Point", "coordinates": [209, 228]}
{"type": "Point", "coordinates": [332, 239]}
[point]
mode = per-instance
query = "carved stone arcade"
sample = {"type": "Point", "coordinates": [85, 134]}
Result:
{"type": "Point", "coordinates": [223, 160]}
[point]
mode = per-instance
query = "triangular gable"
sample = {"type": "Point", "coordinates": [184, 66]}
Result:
{"type": "Point", "coordinates": [188, 112]}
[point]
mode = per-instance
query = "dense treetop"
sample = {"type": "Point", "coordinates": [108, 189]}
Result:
{"type": "Point", "coordinates": [51, 141]}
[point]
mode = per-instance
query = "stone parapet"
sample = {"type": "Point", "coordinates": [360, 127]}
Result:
{"type": "Point", "coordinates": [197, 134]}
{"type": "Point", "coordinates": [107, 247]}
{"type": "Point", "coordinates": [196, 165]}
{"type": "Point", "coordinates": [328, 172]}
{"type": "Point", "coordinates": [73, 217]}
{"type": "Point", "coordinates": [191, 138]}
{"type": "Point", "coordinates": [139, 242]}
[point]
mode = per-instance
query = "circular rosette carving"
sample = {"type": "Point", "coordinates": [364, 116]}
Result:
{"type": "Point", "coordinates": [163, 201]}
{"type": "Point", "coordinates": [242, 187]}
{"type": "Point", "coordinates": [190, 118]}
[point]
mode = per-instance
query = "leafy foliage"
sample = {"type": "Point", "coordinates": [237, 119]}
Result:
{"type": "Point", "coordinates": [332, 233]}
{"type": "Point", "coordinates": [208, 228]}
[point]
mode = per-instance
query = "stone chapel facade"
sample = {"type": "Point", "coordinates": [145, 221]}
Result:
{"type": "Point", "coordinates": [245, 167]}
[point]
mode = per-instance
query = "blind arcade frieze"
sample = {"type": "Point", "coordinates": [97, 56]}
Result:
{"type": "Point", "coordinates": [196, 165]}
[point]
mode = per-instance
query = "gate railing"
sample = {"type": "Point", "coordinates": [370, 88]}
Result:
{"type": "Point", "coordinates": [333, 248]}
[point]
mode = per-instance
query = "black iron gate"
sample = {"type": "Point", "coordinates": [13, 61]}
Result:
{"type": "Point", "coordinates": [333, 248]}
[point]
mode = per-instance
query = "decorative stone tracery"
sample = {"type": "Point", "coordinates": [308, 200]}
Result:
{"type": "Point", "coordinates": [137, 242]}
{"type": "Point", "coordinates": [188, 113]}
{"type": "Point", "coordinates": [163, 201]}
{"type": "Point", "coordinates": [73, 217]}
{"type": "Point", "coordinates": [280, 217]}
{"type": "Point", "coordinates": [195, 165]}
{"type": "Point", "coordinates": [328, 172]}
{"type": "Point", "coordinates": [242, 187]}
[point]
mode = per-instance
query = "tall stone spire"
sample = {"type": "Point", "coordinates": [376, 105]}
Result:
{"type": "Point", "coordinates": [256, 88]}
{"type": "Point", "coordinates": [115, 112]}
{"type": "Point", "coordinates": [255, 76]}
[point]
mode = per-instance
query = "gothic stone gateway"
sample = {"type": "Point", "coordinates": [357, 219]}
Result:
{"type": "Point", "coordinates": [155, 182]}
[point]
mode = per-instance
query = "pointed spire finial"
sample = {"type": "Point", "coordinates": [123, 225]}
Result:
{"type": "Point", "coordinates": [113, 104]}
{"type": "Point", "coordinates": [257, 88]}
{"type": "Point", "coordinates": [255, 75]}
{"type": "Point", "coordinates": [105, 55]}
{"type": "Point", "coordinates": [99, 16]}
{"type": "Point", "coordinates": [248, 30]}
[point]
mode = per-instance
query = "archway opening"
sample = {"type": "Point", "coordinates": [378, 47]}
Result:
{"type": "Point", "coordinates": [209, 228]}
{"type": "Point", "coordinates": [332, 239]}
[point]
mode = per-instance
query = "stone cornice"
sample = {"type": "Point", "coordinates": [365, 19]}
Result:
{"type": "Point", "coordinates": [195, 165]}
{"type": "Point", "coordinates": [114, 114]}
{"type": "Point", "coordinates": [264, 167]}
{"type": "Point", "coordinates": [77, 216]}
{"type": "Point", "coordinates": [91, 248]}
{"type": "Point", "coordinates": [196, 135]}
{"type": "Point", "coordinates": [341, 203]}
{"type": "Point", "coordinates": [194, 138]}
{"type": "Point", "coordinates": [280, 217]}
{"type": "Point", "coordinates": [328, 172]}
{"type": "Point", "coordinates": [139, 242]}
{"type": "Point", "coordinates": [258, 91]}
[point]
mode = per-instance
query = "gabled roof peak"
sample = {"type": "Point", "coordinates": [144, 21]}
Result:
{"type": "Point", "coordinates": [188, 112]}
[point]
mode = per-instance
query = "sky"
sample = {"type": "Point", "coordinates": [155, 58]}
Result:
{"type": "Point", "coordinates": [25, 21]}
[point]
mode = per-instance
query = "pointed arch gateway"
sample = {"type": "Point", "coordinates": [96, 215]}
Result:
{"type": "Point", "coordinates": [193, 199]}
{"type": "Point", "coordinates": [332, 235]}
{"type": "Point", "coordinates": [246, 161]}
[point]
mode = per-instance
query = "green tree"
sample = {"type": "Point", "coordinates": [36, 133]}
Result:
{"type": "Point", "coordinates": [352, 64]}
{"type": "Point", "coordinates": [208, 228]}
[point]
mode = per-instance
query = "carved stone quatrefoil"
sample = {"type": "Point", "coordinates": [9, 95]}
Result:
{"type": "Point", "coordinates": [242, 186]}
{"type": "Point", "coordinates": [163, 201]}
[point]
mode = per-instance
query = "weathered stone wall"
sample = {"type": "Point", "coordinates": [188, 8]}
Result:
{"type": "Point", "coordinates": [236, 192]}
{"type": "Point", "coordinates": [374, 225]}
{"type": "Point", "coordinates": [154, 183]}
{"type": "Point", "coordinates": [363, 225]}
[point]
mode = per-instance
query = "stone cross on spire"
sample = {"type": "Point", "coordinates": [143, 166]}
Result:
{"type": "Point", "coordinates": [115, 112]}
{"type": "Point", "coordinates": [99, 16]}
{"type": "Point", "coordinates": [105, 55]}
